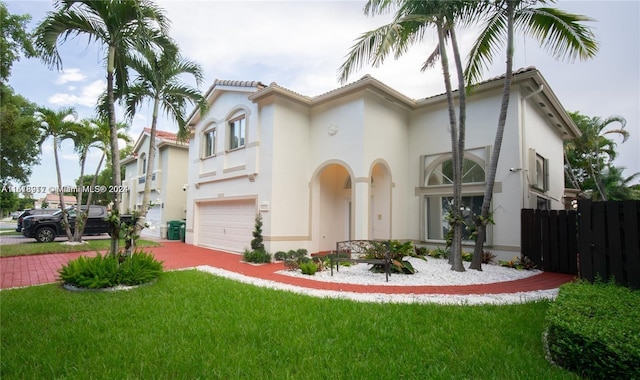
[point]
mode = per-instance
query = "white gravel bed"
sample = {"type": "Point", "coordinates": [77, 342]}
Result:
{"type": "Point", "coordinates": [430, 272]}
{"type": "Point", "coordinates": [507, 298]}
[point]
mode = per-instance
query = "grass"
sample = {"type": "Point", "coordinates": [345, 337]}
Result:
{"type": "Point", "coordinates": [193, 325]}
{"type": "Point", "coordinates": [35, 248]}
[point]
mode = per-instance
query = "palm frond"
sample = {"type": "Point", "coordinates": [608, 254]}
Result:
{"type": "Point", "coordinates": [491, 39]}
{"type": "Point", "coordinates": [561, 33]}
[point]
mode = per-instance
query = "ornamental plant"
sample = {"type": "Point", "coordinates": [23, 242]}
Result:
{"type": "Point", "coordinates": [108, 271]}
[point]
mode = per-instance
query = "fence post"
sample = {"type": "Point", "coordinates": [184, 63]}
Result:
{"type": "Point", "coordinates": [584, 243]}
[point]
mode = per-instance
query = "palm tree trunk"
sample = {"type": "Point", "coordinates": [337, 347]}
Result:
{"type": "Point", "coordinates": [81, 217]}
{"type": "Point", "coordinates": [568, 170]}
{"type": "Point", "coordinates": [115, 154]}
{"type": "Point", "coordinates": [481, 222]}
{"type": "Point", "coordinates": [462, 121]}
{"type": "Point", "coordinates": [151, 156]}
{"type": "Point", "coordinates": [63, 207]}
{"type": "Point", "coordinates": [455, 257]}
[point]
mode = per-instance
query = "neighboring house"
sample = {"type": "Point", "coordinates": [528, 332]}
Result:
{"type": "Point", "coordinates": [365, 162]}
{"type": "Point", "coordinates": [168, 197]}
{"type": "Point", "coordinates": [53, 201]}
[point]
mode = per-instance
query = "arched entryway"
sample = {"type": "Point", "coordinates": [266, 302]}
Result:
{"type": "Point", "coordinates": [332, 206]}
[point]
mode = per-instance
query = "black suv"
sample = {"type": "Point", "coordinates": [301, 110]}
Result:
{"type": "Point", "coordinates": [29, 212]}
{"type": "Point", "coordinates": [45, 228]}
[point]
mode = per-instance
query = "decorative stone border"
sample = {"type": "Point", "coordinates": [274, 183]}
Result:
{"type": "Point", "coordinates": [117, 288]}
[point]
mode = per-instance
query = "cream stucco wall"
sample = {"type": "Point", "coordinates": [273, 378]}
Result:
{"type": "Point", "coordinates": [300, 153]}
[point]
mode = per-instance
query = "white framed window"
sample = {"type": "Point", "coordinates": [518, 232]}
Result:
{"type": "Point", "coordinates": [542, 173]}
{"type": "Point", "coordinates": [437, 210]}
{"type": "Point", "coordinates": [437, 193]}
{"type": "Point", "coordinates": [209, 143]}
{"type": "Point", "coordinates": [143, 160]}
{"type": "Point", "coordinates": [237, 132]}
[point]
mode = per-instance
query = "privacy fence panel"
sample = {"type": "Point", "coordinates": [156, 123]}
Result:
{"type": "Point", "coordinates": [609, 241]}
{"type": "Point", "coordinates": [549, 239]}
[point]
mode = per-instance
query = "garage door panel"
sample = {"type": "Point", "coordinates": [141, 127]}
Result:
{"type": "Point", "coordinates": [226, 225]}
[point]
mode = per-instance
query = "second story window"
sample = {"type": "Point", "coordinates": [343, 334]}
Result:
{"type": "Point", "coordinates": [237, 132]}
{"type": "Point", "coordinates": [209, 143]}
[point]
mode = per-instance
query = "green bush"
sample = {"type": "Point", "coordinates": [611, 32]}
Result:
{"type": "Point", "coordinates": [258, 256]}
{"type": "Point", "coordinates": [308, 267]}
{"type": "Point", "coordinates": [398, 251]}
{"type": "Point", "coordinates": [519, 263]}
{"type": "Point", "coordinates": [439, 253]}
{"type": "Point", "coordinates": [111, 270]}
{"type": "Point", "coordinates": [290, 255]}
{"type": "Point", "coordinates": [593, 330]}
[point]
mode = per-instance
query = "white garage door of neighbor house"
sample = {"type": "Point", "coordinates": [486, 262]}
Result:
{"type": "Point", "coordinates": [226, 225]}
{"type": "Point", "coordinates": [153, 222]}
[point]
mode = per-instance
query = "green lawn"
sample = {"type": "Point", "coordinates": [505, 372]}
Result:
{"type": "Point", "coordinates": [193, 325]}
{"type": "Point", "coordinates": [35, 248]}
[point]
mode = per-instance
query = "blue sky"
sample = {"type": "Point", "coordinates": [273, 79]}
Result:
{"type": "Point", "coordinates": [301, 44]}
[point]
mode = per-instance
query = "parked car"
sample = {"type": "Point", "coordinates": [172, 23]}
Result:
{"type": "Point", "coordinates": [35, 211]}
{"type": "Point", "coordinates": [45, 228]}
{"type": "Point", "coordinates": [14, 215]}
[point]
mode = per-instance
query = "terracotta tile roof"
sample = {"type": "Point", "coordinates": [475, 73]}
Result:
{"type": "Point", "coordinates": [164, 135]}
{"type": "Point", "coordinates": [239, 83]}
{"type": "Point", "coordinates": [56, 199]}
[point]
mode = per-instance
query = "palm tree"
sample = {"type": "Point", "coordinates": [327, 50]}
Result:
{"type": "Point", "coordinates": [411, 20]}
{"type": "Point", "coordinates": [561, 33]}
{"type": "Point", "coordinates": [90, 133]}
{"type": "Point", "coordinates": [120, 26]}
{"type": "Point", "coordinates": [57, 124]}
{"type": "Point", "coordinates": [159, 80]}
{"type": "Point", "coordinates": [615, 186]}
{"type": "Point", "coordinates": [83, 137]}
{"type": "Point", "coordinates": [589, 155]}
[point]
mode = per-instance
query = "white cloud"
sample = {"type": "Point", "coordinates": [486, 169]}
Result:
{"type": "Point", "coordinates": [87, 97]}
{"type": "Point", "coordinates": [70, 75]}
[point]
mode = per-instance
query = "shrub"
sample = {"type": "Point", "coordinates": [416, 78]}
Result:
{"type": "Point", "coordinates": [398, 252]}
{"type": "Point", "coordinates": [280, 256]}
{"type": "Point", "coordinates": [139, 268]}
{"type": "Point", "coordinates": [309, 267]}
{"type": "Point", "coordinates": [256, 243]}
{"type": "Point", "coordinates": [593, 330]}
{"type": "Point", "coordinates": [488, 257]}
{"type": "Point", "coordinates": [257, 256]}
{"type": "Point", "coordinates": [111, 270]}
{"type": "Point", "coordinates": [439, 253]}
{"type": "Point", "coordinates": [422, 251]}
{"type": "Point", "coordinates": [520, 264]}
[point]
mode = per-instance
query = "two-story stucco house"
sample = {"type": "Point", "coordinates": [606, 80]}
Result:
{"type": "Point", "coordinates": [168, 198]}
{"type": "Point", "coordinates": [365, 162]}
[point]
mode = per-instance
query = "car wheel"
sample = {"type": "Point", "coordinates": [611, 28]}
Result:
{"type": "Point", "coordinates": [45, 235]}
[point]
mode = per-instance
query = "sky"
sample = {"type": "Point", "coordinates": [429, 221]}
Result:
{"type": "Point", "coordinates": [301, 44]}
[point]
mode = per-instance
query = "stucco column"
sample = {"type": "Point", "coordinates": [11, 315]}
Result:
{"type": "Point", "coordinates": [361, 209]}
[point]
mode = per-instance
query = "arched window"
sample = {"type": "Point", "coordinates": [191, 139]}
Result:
{"type": "Point", "coordinates": [442, 174]}
{"type": "Point", "coordinates": [438, 197]}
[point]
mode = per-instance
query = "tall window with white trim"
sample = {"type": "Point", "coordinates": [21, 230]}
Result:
{"type": "Point", "coordinates": [237, 132]}
{"type": "Point", "coordinates": [209, 148]}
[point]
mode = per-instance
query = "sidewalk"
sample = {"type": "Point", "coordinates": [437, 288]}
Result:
{"type": "Point", "coordinates": [42, 269]}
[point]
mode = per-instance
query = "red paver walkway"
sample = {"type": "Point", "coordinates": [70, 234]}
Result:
{"type": "Point", "coordinates": [41, 269]}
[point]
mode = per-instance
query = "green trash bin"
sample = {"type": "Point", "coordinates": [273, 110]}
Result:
{"type": "Point", "coordinates": [173, 230]}
{"type": "Point", "coordinates": [183, 230]}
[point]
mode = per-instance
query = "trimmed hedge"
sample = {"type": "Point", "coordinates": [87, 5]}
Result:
{"type": "Point", "coordinates": [594, 330]}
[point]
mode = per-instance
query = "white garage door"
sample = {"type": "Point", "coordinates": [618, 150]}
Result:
{"type": "Point", "coordinates": [153, 221]}
{"type": "Point", "coordinates": [226, 225]}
